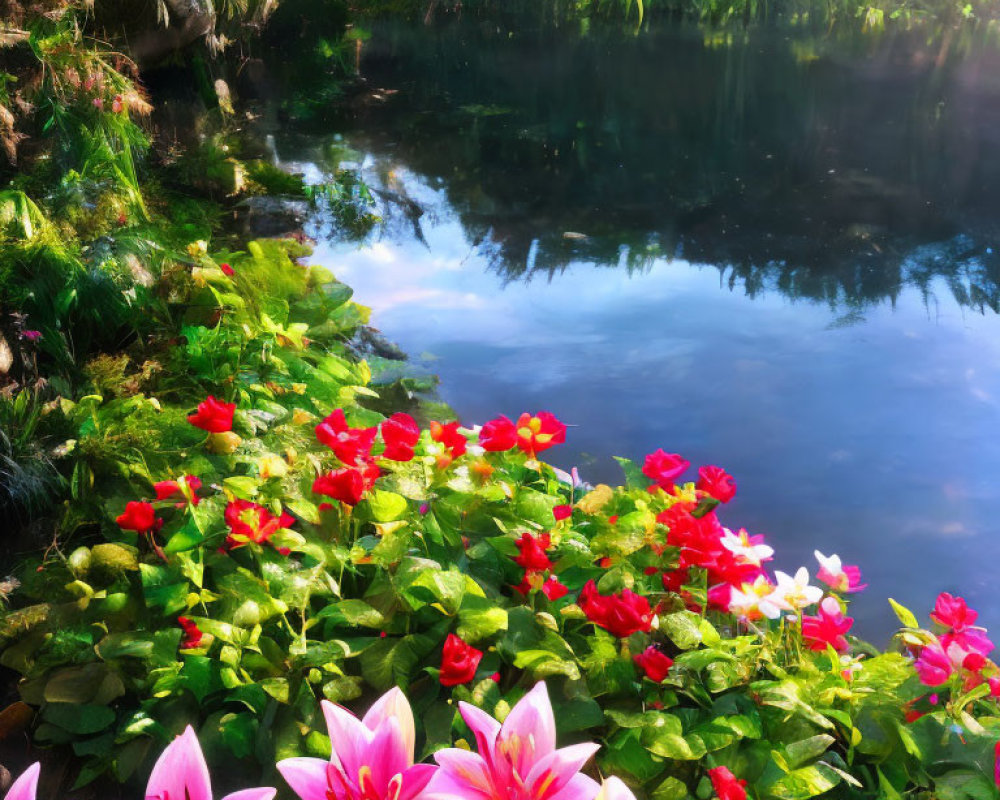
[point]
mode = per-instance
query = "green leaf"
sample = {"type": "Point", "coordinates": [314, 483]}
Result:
{"type": "Point", "coordinates": [79, 719]}
{"type": "Point", "coordinates": [186, 538]}
{"type": "Point", "coordinates": [804, 750]}
{"type": "Point", "coordinates": [352, 612]}
{"type": "Point", "coordinates": [683, 627]}
{"type": "Point", "coordinates": [904, 614]}
{"type": "Point", "coordinates": [479, 618]}
{"type": "Point", "coordinates": [386, 506]}
{"type": "Point", "coordinates": [803, 783]}
{"type": "Point", "coordinates": [670, 789]}
{"type": "Point", "coordinates": [634, 478]}
{"type": "Point", "coordinates": [544, 664]}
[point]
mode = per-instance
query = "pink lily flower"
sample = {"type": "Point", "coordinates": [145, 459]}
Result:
{"type": "Point", "coordinates": [516, 761]}
{"type": "Point", "coordinates": [371, 758]}
{"type": "Point", "coordinates": [26, 785]}
{"type": "Point", "coordinates": [180, 773]}
{"type": "Point", "coordinates": [614, 788]}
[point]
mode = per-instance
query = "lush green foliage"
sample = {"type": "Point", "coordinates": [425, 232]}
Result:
{"type": "Point", "coordinates": [123, 632]}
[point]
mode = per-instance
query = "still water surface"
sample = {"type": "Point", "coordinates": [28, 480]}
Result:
{"type": "Point", "coordinates": [776, 253]}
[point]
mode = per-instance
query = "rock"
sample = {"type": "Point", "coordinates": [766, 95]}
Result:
{"type": "Point", "coordinates": [263, 217]}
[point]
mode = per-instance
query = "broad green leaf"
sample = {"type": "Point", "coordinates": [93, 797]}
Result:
{"type": "Point", "coordinates": [904, 614]}
{"type": "Point", "coordinates": [386, 506]}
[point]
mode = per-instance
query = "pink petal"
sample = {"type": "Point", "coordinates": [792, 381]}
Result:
{"type": "Point", "coordinates": [261, 793]}
{"type": "Point", "coordinates": [393, 704]}
{"type": "Point", "coordinates": [485, 728]}
{"type": "Point", "coordinates": [614, 788]}
{"type": "Point", "coordinates": [349, 738]}
{"type": "Point", "coordinates": [306, 776]}
{"type": "Point", "coordinates": [451, 782]}
{"type": "Point", "coordinates": [386, 754]}
{"type": "Point", "coordinates": [26, 785]}
{"type": "Point", "coordinates": [181, 771]}
{"type": "Point", "coordinates": [559, 767]}
{"type": "Point", "coordinates": [529, 729]}
{"type": "Point", "coordinates": [415, 780]}
{"type": "Point", "coordinates": [580, 788]}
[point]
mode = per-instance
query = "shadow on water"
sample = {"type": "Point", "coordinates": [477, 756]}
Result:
{"type": "Point", "coordinates": [816, 166]}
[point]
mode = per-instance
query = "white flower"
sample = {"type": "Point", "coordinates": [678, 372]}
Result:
{"type": "Point", "coordinates": [795, 592]}
{"type": "Point", "coordinates": [753, 600]}
{"type": "Point", "coordinates": [739, 544]}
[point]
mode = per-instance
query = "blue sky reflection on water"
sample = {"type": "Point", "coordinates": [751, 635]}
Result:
{"type": "Point", "coordinates": [867, 435]}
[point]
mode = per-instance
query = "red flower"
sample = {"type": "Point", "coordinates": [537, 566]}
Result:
{"type": "Point", "coordinates": [348, 484]}
{"type": "Point", "coordinates": [192, 634]}
{"type": "Point", "coordinates": [498, 435]}
{"type": "Point", "coordinates": [533, 557]}
{"type": "Point", "coordinates": [717, 483]}
{"type": "Point", "coordinates": [167, 489]}
{"type": "Point", "coordinates": [562, 512]}
{"type": "Point", "coordinates": [539, 432]}
{"type": "Point", "coordinates": [350, 445]}
{"type": "Point", "coordinates": [449, 436]}
{"type": "Point", "coordinates": [663, 467]}
{"type": "Point", "coordinates": [553, 589]}
{"type": "Point", "coordinates": [953, 612]}
{"type": "Point", "coordinates": [654, 662]}
{"type": "Point", "coordinates": [213, 415]}
{"type": "Point", "coordinates": [226, 269]}
{"type": "Point", "coordinates": [726, 785]}
{"type": "Point", "coordinates": [674, 580]}
{"type": "Point", "coordinates": [400, 434]}
{"type": "Point", "coordinates": [458, 661]}
{"type": "Point", "coordinates": [138, 517]}
{"type": "Point", "coordinates": [621, 614]}
{"type": "Point", "coordinates": [249, 522]}
{"type": "Point", "coordinates": [828, 628]}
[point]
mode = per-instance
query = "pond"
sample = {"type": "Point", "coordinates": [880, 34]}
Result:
{"type": "Point", "coordinates": [777, 252]}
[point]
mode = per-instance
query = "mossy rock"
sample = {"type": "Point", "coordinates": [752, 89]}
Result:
{"type": "Point", "coordinates": [110, 560]}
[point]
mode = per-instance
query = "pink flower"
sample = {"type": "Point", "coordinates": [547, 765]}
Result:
{"type": "Point", "coordinates": [717, 483]}
{"type": "Point", "coordinates": [996, 764]}
{"type": "Point", "coordinates": [31, 336]}
{"type": "Point", "coordinates": [181, 773]}
{"type": "Point", "coordinates": [26, 785]}
{"type": "Point", "coordinates": [517, 760]}
{"type": "Point", "coordinates": [663, 467]}
{"type": "Point", "coordinates": [933, 665]}
{"type": "Point", "coordinates": [371, 758]}
{"type": "Point", "coordinates": [839, 577]}
{"type": "Point", "coordinates": [614, 788]}
{"type": "Point", "coordinates": [952, 612]}
{"type": "Point", "coordinates": [828, 628]}
{"type": "Point", "coordinates": [970, 640]}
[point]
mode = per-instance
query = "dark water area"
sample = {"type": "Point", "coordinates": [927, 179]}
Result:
{"type": "Point", "coordinates": [776, 252]}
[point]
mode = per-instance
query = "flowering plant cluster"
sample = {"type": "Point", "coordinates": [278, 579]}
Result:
{"type": "Point", "coordinates": [262, 539]}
